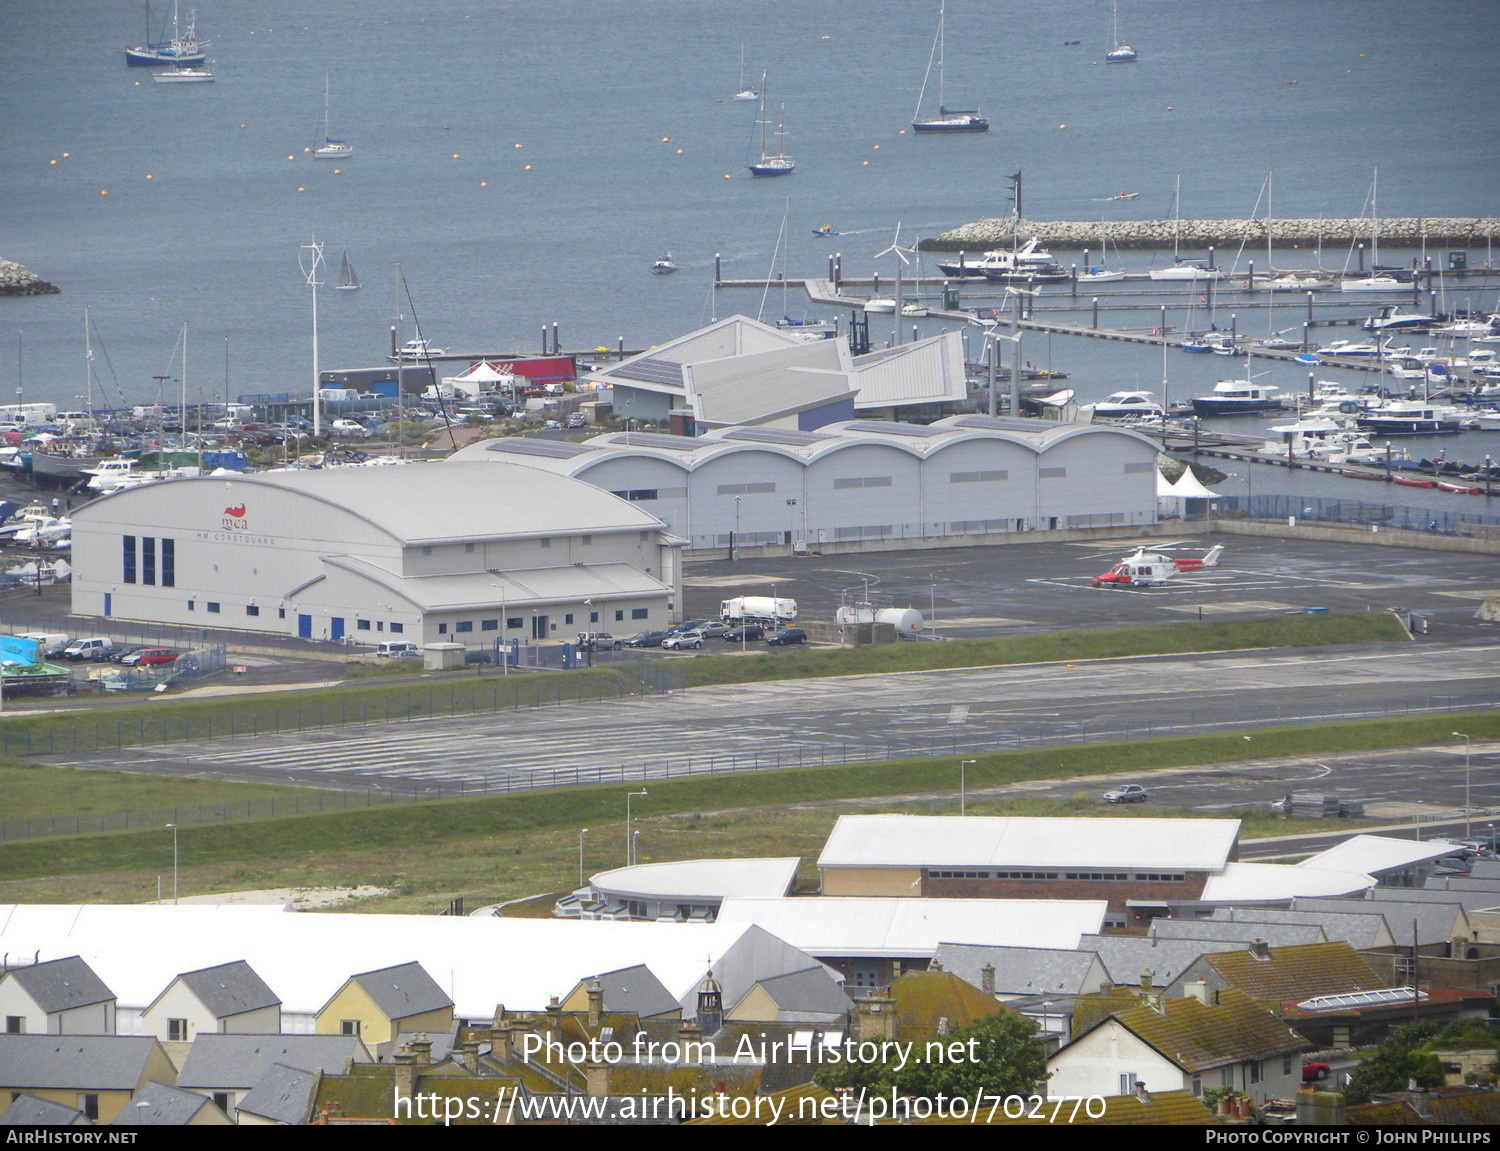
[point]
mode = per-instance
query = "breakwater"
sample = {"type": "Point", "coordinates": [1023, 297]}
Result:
{"type": "Point", "coordinates": [1398, 232]}
{"type": "Point", "coordinates": [18, 281]}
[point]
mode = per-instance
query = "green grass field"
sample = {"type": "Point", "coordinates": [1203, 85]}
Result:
{"type": "Point", "coordinates": [493, 849]}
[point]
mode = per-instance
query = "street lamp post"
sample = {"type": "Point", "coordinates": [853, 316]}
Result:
{"type": "Point", "coordinates": [1467, 745]}
{"type": "Point", "coordinates": [581, 834]}
{"type": "Point", "coordinates": [629, 842]}
{"type": "Point", "coordinates": [173, 827]}
{"type": "Point", "coordinates": [963, 786]}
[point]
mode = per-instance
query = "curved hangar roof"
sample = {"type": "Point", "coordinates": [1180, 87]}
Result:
{"type": "Point", "coordinates": [418, 503]}
{"type": "Point", "coordinates": [689, 453]}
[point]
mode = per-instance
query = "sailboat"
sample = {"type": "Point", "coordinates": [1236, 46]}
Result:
{"type": "Point", "coordinates": [331, 149]}
{"type": "Point", "coordinates": [1182, 269]}
{"type": "Point", "coordinates": [1121, 53]}
{"type": "Point", "coordinates": [348, 281]}
{"type": "Point", "coordinates": [178, 49]}
{"type": "Point", "coordinates": [948, 119]}
{"type": "Point", "coordinates": [742, 92]}
{"type": "Point", "coordinates": [778, 164]}
{"type": "Point", "coordinates": [1376, 280]}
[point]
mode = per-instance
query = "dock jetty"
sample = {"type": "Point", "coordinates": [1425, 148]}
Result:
{"type": "Point", "coordinates": [1477, 232]}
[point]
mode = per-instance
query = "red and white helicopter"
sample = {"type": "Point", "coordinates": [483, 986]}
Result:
{"type": "Point", "coordinates": [1152, 569]}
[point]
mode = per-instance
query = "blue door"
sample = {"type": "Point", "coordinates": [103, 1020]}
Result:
{"type": "Point", "coordinates": [336, 632]}
{"type": "Point", "coordinates": [108, 602]}
{"type": "Point", "coordinates": [304, 626]}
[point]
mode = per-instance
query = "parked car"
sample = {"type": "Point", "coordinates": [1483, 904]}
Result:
{"type": "Point", "coordinates": [786, 636]}
{"type": "Point", "coordinates": [1315, 1071]}
{"type": "Point", "coordinates": [646, 639]}
{"type": "Point", "coordinates": [149, 657]}
{"type": "Point", "coordinates": [127, 654]}
{"type": "Point", "coordinates": [577, 420]}
{"type": "Point", "coordinates": [393, 648]}
{"type": "Point", "coordinates": [679, 640]}
{"type": "Point", "coordinates": [714, 630]}
{"type": "Point", "coordinates": [479, 655]}
{"type": "Point", "coordinates": [744, 632]}
{"type": "Point", "coordinates": [688, 625]}
{"type": "Point", "coordinates": [597, 641]}
{"type": "Point", "coordinates": [1126, 793]}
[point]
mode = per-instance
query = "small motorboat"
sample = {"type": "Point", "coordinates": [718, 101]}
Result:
{"type": "Point", "coordinates": [664, 265]}
{"type": "Point", "coordinates": [1126, 196]}
{"type": "Point", "coordinates": [826, 230]}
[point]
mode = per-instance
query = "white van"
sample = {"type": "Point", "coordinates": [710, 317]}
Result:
{"type": "Point", "coordinates": [397, 648]}
{"type": "Point", "coordinates": [94, 647]}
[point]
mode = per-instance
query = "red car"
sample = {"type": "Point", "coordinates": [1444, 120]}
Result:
{"type": "Point", "coordinates": [1315, 1071]}
{"type": "Point", "coordinates": [152, 657]}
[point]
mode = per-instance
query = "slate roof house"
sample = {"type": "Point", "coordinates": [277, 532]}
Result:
{"type": "Point", "coordinates": [228, 998]}
{"type": "Point", "coordinates": [228, 1068]}
{"type": "Point", "coordinates": [59, 997]}
{"type": "Point", "coordinates": [157, 1105]}
{"type": "Point", "coordinates": [378, 1005]}
{"type": "Point", "coordinates": [98, 1074]}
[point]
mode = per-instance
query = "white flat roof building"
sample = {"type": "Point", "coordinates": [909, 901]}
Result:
{"type": "Point", "coordinates": [479, 961]}
{"type": "Point", "coordinates": [828, 927]}
{"type": "Point", "coordinates": [1029, 842]}
{"type": "Point", "coordinates": [861, 481]}
{"type": "Point", "coordinates": [457, 553]}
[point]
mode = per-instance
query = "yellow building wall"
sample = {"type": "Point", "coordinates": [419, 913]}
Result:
{"type": "Point", "coordinates": [351, 1002]}
{"type": "Point", "coordinates": [755, 1007]}
{"type": "Point", "coordinates": [872, 881]}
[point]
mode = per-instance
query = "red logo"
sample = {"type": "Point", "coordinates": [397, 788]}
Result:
{"type": "Point", "coordinates": [238, 511]}
{"type": "Point", "coordinates": [234, 518]}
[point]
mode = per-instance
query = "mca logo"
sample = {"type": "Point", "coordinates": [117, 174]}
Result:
{"type": "Point", "coordinates": [234, 518]}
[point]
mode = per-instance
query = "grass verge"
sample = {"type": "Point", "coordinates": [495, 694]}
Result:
{"type": "Point", "coordinates": [505, 847]}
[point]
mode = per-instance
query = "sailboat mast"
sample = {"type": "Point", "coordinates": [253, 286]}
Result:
{"type": "Point", "coordinates": [1374, 223]}
{"type": "Point", "coordinates": [942, 53]}
{"type": "Point", "coordinates": [88, 367]}
{"type": "Point", "coordinates": [182, 399]}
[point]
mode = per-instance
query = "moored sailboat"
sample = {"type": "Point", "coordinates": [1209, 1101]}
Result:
{"type": "Point", "coordinates": [947, 119]}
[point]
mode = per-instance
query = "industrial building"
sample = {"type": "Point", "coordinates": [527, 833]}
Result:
{"type": "Point", "coordinates": [740, 371]}
{"type": "Point", "coordinates": [866, 482]}
{"type": "Point", "coordinates": [461, 553]}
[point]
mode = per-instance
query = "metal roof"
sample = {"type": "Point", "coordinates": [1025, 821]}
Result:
{"type": "Point", "coordinates": [1018, 841]}
{"type": "Point", "coordinates": [524, 446]}
{"type": "Point", "coordinates": [517, 589]}
{"type": "Point", "coordinates": [1276, 882]}
{"type": "Point", "coordinates": [782, 436]}
{"type": "Point", "coordinates": [420, 503]}
{"type": "Point", "coordinates": [1376, 853]}
{"type": "Point", "coordinates": [700, 879]}
{"type": "Point", "coordinates": [909, 927]}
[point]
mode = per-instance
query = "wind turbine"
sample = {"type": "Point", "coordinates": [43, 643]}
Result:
{"type": "Point", "coordinates": [901, 257]}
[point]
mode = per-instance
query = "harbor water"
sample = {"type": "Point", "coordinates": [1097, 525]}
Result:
{"type": "Point", "coordinates": [525, 165]}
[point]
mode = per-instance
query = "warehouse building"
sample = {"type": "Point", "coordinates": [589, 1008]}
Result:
{"type": "Point", "coordinates": [738, 371]}
{"type": "Point", "coordinates": [424, 553]}
{"type": "Point", "coordinates": [862, 481]}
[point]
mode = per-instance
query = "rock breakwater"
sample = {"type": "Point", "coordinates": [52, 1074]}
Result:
{"type": "Point", "coordinates": [18, 281]}
{"type": "Point", "coordinates": [1197, 235]}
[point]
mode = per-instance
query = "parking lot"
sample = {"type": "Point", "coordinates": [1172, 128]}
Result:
{"type": "Point", "coordinates": [1045, 586]}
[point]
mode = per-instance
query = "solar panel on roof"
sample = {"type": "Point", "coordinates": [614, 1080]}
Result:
{"type": "Point", "coordinates": [655, 440]}
{"type": "Point", "coordinates": [775, 436]}
{"type": "Point", "coordinates": [1006, 423]}
{"type": "Point", "coordinates": [650, 371]}
{"type": "Point", "coordinates": [891, 428]}
{"type": "Point", "coordinates": [1382, 997]}
{"type": "Point", "coordinates": [553, 449]}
